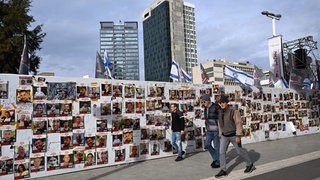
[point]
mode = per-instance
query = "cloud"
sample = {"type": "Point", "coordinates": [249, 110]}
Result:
{"type": "Point", "coordinates": [230, 29]}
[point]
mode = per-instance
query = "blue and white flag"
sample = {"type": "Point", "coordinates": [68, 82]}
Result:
{"type": "Point", "coordinates": [174, 73]}
{"type": "Point", "coordinates": [281, 83]}
{"type": "Point", "coordinates": [306, 83]}
{"type": "Point", "coordinates": [238, 75]}
{"type": "Point", "coordinates": [185, 76]}
{"type": "Point", "coordinates": [107, 65]}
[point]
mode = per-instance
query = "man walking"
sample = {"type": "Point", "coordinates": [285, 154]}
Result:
{"type": "Point", "coordinates": [211, 113]}
{"type": "Point", "coordinates": [177, 128]}
{"type": "Point", "coordinates": [230, 130]}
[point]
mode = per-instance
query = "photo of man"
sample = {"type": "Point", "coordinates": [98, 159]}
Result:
{"type": "Point", "coordinates": [37, 164]}
{"type": "Point", "coordinates": [54, 125]}
{"type": "Point", "coordinates": [65, 126]}
{"type": "Point", "coordinates": [82, 92]}
{"type": "Point", "coordinates": [102, 157]}
{"type": "Point", "coordinates": [23, 96]}
{"type": "Point", "coordinates": [38, 145]}
{"type": "Point", "coordinates": [66, 161]}
{"type": "Point", "coordinates": [40, 127]}
{"type": "Point", "coordinates": [78, 122]}
{"type": "Point", "coordinates": [21, 152]}
{"type": "Point", "coordinates": [66, 142]}
{"type": "Point", "coordinates": [8, 137]}
{"type": "Point", "coordinates": [66, 109]}
{"type": "Point", "coordinates": [78, 139]}
{"type": "Point", "coordinates": [90, 142]}
{"type": "Point", "coordinates": [90, 158]}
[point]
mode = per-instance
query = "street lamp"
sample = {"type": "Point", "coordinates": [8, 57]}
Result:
{"type": "Point", "coordinates": [274, 17]}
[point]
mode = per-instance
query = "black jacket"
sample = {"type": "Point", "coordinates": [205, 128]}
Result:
{"type": "Point", "coordinates": [177, 121]}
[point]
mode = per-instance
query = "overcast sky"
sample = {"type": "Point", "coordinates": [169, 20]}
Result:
{"type": "Point", "coordinates": [232, 29]}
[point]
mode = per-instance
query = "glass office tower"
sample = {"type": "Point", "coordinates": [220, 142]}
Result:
{"type": "Point", "coordinates": [168, 34]}
{"type": "Point", "coordinates": [120, 40]}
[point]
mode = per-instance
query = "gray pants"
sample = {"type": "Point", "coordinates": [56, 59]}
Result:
{"type": "Point", "coordinates": [224, 143]}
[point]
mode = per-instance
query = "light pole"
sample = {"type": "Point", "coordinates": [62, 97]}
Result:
{"type": "Point", "coordinates": [274, 17]}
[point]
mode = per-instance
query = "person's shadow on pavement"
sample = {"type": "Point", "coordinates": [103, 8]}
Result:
{"type": "Point", "coordinates": [254, 156]}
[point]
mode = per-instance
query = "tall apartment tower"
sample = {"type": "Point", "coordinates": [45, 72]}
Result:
{"type": "Point", "coordinates": [168, 34]}
{"type": "Point", "coordinates": [120, 40]}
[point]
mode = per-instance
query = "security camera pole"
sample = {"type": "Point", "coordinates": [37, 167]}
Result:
{"type": "Point", "coordinates": [274, 17]}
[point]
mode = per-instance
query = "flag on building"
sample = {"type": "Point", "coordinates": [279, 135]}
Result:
{"type": "Point", "coordinates": [184, 76]}
{"type": "Point", "coordinates": [238, 75]}
{"type": "Point", "coordinates": [107, 65]}
{"type": "Point", "coordinates": [24, 62]}
{"type": "Point", "coordinates": [174, 73]}
{"type": "Point", "coordinates": [204, 76]}
{"type": "Point", "coordinates": [100, 69]}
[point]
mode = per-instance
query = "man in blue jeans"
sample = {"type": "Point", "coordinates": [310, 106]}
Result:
{"type": "Point", "coordinates": [211, 113]}
{"type": "Point", "coordinates": [177, 128]}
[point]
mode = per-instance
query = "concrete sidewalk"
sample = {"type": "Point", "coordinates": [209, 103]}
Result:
{"type": "Point", "coordinates": [268, 156]}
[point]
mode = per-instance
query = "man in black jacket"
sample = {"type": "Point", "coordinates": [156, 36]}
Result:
{"type": "Point", "coordinates": [177, 128]}
{"type": "Point", "coordinates": [211, 113]}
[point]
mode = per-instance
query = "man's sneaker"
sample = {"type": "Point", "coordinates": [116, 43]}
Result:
{"type": "Point", "coordinates": [215, 165]}
{"type": "Point", "coordinates": [182, 153]}
{"type": "Point", "coordinates": [179, 158]}
{"type": "Point", "coordinates": [221, 174]}
{"type": "Point", "coordinates": [249, 169]}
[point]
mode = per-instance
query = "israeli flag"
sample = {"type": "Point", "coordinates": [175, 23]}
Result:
{"type": "Point", "coordinates": [107, 65]}
{"type": "Point", "coordinates": [174, 73]}
{"type": "Point", "coordinates": [185, 75]}
{"type": "Point", "coordinates": [306, 83]}
{"type": "Point", "coordinates": [285, 83]}
{"type": "Point", "coordinates": [238, 75]}
{"type": "Point", "coordinates": [281, 83]}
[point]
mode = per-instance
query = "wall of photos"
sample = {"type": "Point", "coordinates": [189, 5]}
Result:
{"type": "Point", "coordinates": [54, 125]}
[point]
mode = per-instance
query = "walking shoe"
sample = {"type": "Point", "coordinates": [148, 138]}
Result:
{"type": "Point", "coordinates": [179, 158]}
{"type": "Point", "coordinates": [249, 169]}
{"type": "Point", "coordinates": [215, 165]}
{"type": "Point", "coordinates": [221, 174]}
{"type": "Point", "coordinates": [182, 153]}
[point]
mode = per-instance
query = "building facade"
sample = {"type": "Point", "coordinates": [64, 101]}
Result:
{"type": "Point", "coordinates": [168, 34]}
{"type": "Point", "coordinates": [120, 40]}
{"type": "Point", "coordinates": [215, 70]}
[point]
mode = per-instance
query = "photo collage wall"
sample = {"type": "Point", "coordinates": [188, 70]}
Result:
{"type": "Point", "coordinates": [52, 125]}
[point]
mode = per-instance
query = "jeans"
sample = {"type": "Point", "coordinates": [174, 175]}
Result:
{"type": "Point", "coordinates": [176, 139]}
{"type": "Point", "coordinates": [214, 152]}
{"type": "Point", "coordinates": [225, 141]}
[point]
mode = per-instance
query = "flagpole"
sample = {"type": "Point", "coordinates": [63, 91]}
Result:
{"type": "Point", "coordinates": [24, 62]}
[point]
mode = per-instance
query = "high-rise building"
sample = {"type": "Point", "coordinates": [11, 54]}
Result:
{"type": "Point", "coordinates": [120, 40]}
{"type": "Point", "coordinates": [168, 34]}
